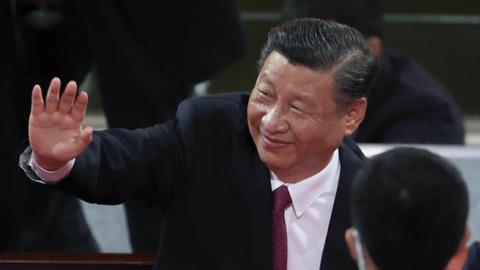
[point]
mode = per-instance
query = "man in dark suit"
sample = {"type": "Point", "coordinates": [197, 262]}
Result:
{"type": "Point", "coordinates": [409, 211]}
{"type": "Point", "coordinates": [213, 168]}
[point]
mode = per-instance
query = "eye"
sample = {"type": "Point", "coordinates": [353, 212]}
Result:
{"type": "Point", "coordinates": [263, 93]}
{"type": "Point", "coordinates": [295, 108]}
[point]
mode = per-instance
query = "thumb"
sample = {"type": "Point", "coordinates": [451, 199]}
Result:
{"type": "Point", "coordinates": [86, 136]}
{"type": "Point", "coordinates": [65, 151]}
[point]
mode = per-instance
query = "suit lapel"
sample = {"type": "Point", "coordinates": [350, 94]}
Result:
{"type": "Point", "coordinates": [335, 253]}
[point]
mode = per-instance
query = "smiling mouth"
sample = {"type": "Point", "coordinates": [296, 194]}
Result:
{"type": "Point", "coordinates": [271, 143]}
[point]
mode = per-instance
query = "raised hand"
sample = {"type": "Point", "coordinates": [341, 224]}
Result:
{"type": "Point", "coordinates": [55, 127]}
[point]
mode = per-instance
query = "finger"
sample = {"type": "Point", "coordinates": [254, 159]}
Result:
{"type": "Point", "coordinates": [37, 100]}
{"type": "Point", "coordinates": [80, 107]}
{"type": "Point", "coordinates": [68, 98]}
{"type": "Point", "coordinates": [53, 95]}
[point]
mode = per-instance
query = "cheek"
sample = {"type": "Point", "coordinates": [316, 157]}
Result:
{"type": "Point", "coordinates": [256, 112]}
{"type": "Point", "coordinates": [334, 135]}
{"type": "Point", "coordinates": [305, 129]}
{"type": "Point", "coordinates": [311, 135]}
{"type": "Point", "coordinates": [339, 129]}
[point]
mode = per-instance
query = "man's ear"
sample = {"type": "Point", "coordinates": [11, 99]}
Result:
{"type": "Point", "coordinates": [466, 235]}
{"type": "Point", "coordinates": [463, 246]}
{"type": "Point", "coordinates": [350, 239]}
{"type": "Point", "coordinates": [354, 115]}
{"type": "Point", "coordinates": [376, 45]}
{"type": "Point", "coordinates": [458, 259]}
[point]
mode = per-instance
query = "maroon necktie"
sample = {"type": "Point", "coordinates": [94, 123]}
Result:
{"type": "Point", "coordinates": [281, 200]}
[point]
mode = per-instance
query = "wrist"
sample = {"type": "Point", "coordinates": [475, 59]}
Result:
{"type": "Point", "coordinates": [47, 163]}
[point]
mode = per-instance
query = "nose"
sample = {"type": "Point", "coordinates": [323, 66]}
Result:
{"type": "Point", "coordinates": [274, 121]}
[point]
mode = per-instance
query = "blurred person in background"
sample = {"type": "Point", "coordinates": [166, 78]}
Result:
{"type": "Point", "coordinates": [35, 217]}
{"type": "Point", "coordinates": [146, 55]}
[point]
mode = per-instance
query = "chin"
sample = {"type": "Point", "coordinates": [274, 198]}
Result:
{"type": "Point", "coordinates": [274, 162]}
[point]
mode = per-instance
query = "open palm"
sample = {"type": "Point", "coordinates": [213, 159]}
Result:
{"type": "Point", "coordinates": [55, 127]}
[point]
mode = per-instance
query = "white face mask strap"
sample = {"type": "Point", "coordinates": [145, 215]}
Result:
{"type": "Point", "coordinates": [359, 251]}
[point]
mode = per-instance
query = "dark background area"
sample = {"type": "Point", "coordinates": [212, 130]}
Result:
{"type": "Point", "coordinates": [448, 46]}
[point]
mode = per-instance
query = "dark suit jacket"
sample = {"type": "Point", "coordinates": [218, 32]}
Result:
{"type": "Point", "coordinates": [473, 259]}
{"type": "Point", "coordinates": [408, 105]}
{"type": "Point", "coordinates": [204, 171]}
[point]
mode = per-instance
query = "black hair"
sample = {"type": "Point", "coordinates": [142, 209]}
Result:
{"type": "Point", "coordinates": [329, 47]}
{"type": "Point", "coordinates": [410, 207]}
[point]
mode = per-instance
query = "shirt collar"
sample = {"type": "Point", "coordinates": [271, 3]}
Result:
{"type": "Point", "coordinates": [304, 193]}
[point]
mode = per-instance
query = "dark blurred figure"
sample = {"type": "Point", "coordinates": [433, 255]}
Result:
{"type": "Point", "coordinates": [155, 49]}
{"type": "Point", "coordinates": [33, 33]}
{"type": "Point", "coordinates": [473, 260]}
{"type": "Point", "coordinates": [409, 211]}
{"type": "Point", "coordinates": [406, 104]}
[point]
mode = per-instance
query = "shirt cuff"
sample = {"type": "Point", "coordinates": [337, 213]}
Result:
{"type": "Point", "coordinates": [50, 176]}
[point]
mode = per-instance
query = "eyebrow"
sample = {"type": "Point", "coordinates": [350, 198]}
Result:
{"type": "Point", "coordinates": [265, 78]}
{"type": "Point", "coordinates": [307, 100]}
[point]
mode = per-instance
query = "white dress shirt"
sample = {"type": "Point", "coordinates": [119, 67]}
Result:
{"type": "Point", "coordinates": [49, 176]}
{"type": "Point", "coordinates": [308, 217]}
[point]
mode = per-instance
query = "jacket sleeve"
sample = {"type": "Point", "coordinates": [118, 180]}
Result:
{"type": "Point", "coordinates": [123, 164]}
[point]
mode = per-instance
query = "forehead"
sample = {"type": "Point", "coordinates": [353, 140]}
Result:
{"type": "Point", "coordinates": [280, 73]}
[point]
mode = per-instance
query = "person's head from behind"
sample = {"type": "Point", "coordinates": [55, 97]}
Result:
{"type": "Point", "coordinates": [310, 93]}
{"type": "Point", "coordinates": [363, 15]}
{"type": "Point", "coordinates": [409, 210]}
